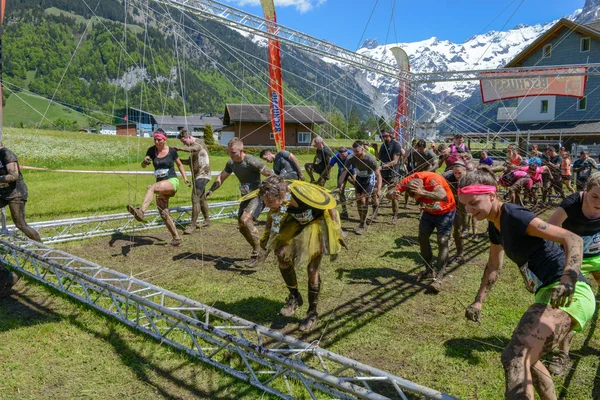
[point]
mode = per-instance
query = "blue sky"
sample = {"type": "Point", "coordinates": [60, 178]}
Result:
{"type": "Point", "coordinates": [346, 22]}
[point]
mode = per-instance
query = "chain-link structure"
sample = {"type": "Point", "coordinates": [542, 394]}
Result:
{"type": "Point", "coordinates": [271, 361]}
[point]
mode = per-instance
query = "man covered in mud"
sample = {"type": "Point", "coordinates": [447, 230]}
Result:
{"type": "Point", "coordinates": [320, 162]}
{"type": "Point", "coordinates": [248, 170]}
{"type": "Point", "coordinates": [199, 164]}
{"type": "Point", "coordinates": [439, 208]}
{"type": "Point", "coordinates": [13, 193]}
{"type": "Point", "coordinates": [367, 181]}
{"type": "Point", "coordinates": [390, 156]}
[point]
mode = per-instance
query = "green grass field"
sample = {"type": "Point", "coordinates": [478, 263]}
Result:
{"type": "Point", "coordinates": [23, 109]}
{"type": "Point", "coordinates": [371, 308]}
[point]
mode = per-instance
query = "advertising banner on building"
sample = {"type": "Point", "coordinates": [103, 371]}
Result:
{"type": "Point", "coordinates": [530, 83]}
{"type": "Point", "coordinates": [275, 79]}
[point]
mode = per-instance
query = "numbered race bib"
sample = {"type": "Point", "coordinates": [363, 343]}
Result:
{"type": "Point", "coordinates": [304, 217]}
{"type": "Point", "coordinates": [244, 189]}
{"type": "Point", "coordinates": [532, 282]}
{"type": "Point", "coordinates": [591, 244]}
{"type": "Point", "coordinates": [161, 172]}
{"type": "Point", "coordinates": [433, 206]}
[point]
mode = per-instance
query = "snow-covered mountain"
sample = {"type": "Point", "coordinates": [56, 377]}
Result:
{"type": "Point", "coordinates": [483, 51]}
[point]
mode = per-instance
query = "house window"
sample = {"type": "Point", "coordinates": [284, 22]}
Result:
{"type": "Point", "coordinates": [304, 137]}
{"type": "Point", "coordinates": [547, 52]}
{"type": "Point", "coordinates": [272, 136]}
{"type": "Point", "coordinates": [582, 104]}
{"type": "Point", "coordinates": [544, 109]}
{"type": "Point", "coordinates": [585, 44]}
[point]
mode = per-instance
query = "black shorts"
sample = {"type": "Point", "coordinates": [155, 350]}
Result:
{"type": "Point", "coordinates": [200, 185]}
{"type": "Point", "coordinates": [253, 206]}
{"type": "Point", "coordinates": [5, 202]}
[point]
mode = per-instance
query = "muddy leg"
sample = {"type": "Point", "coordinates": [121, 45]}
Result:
{"type": "Point", "coordinates": [162, 202]}
{"type": "Point", "coordinates": [540, 329]}
{"type": "Point", "coordinates": [17, 212]}
{"type": "Point", "coordinates": [426, 228]}
{"type": "Point", "coordinates": [249, 231]}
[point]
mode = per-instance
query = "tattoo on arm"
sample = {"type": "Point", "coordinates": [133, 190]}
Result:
{"type": "Point", "coordinates": [543, 225]}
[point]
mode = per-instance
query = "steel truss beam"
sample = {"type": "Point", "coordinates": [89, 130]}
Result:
{"type": "Point", "coordinates": [238, 19]}
{"type": "Point", "coordinates": [105, 225]}
{"type": "Point", "coordinates": [271, 361]}
{"type": "Point", "coordinates": [64, 230]}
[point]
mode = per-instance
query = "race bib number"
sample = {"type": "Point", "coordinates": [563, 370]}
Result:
{"type": "Point", "coordinates": [433, 206]}
{"type": "Point", "coordinates": [161, 172]}
{"type": "Point", "coordinates": [245, 189]}
{"type": "Point", "coordinates": [304, 217]}
{"type": "Point", "coordinates": [591, 244]}
{"type": "Point", "coordinates": [532, 282]}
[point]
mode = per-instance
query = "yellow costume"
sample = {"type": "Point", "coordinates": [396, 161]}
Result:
{"type": "Point", "coordinates": [297, 239]}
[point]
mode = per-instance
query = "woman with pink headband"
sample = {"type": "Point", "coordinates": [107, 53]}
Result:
{"type": "Point", "coordinates": [563, 299]}
{"type": "Point", "coordinates": [164, 159]}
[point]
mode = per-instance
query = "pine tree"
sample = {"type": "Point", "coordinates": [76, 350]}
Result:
{"type": "Point", "coordinates": [209, 138]}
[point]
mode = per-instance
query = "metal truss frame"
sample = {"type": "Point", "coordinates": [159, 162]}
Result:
{"type": "Point", "coordinates": [238, 19]}
{"type": "Point", "coordinates": [64, 230]}
{"type": "Point", "coordinates": [269, 360]}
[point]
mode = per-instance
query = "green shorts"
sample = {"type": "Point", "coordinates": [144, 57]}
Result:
{"type": "Point", "coordinates": [581, 309]}
{"type": "Point", "coordinates": [590, 264]}
{"type": "Point", "coordinates": [175, 182]}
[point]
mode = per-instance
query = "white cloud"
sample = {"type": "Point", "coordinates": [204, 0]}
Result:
{"type": "Point", "coordinates": [303, 6]}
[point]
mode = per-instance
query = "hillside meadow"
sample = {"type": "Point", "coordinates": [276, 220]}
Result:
{"type": "Point", "coordinates": [372, 309]}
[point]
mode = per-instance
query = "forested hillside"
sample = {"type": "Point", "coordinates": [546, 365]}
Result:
{"type": "Point", "coordinates": [79, 56]}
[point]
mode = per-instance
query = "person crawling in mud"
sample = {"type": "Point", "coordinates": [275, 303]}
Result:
{"type": "Point", "coordinates": [303, 225]}
{"type": "Point", "coordinates": [564, 301]}
{"type": "Point", "coordinates": [13, 193]}
{"type": "Point", "coordinates": [439, 209]}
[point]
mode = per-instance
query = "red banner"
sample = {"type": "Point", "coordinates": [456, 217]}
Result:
{"type": "Point", "coordinates": [275, 80]}
{"type": "Point", "coordinates": [532, 84]}
{"type": "Point", "coordinates": [401, 124]}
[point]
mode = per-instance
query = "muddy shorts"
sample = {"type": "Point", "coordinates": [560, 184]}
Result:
{"type": "Point", "coordinates": [364, 185]}
{"type": "Point", "coordinates": [200, 185]}
{"type": "Point", "coordinates": [442, 222]}
{"type": "Point", "coordinates": [581, 309]}
{"type": "Point", "coordinates": [253, 206]}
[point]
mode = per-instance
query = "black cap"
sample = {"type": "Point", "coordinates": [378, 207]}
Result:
{"type": "Point", "coordinates": [421, 143]}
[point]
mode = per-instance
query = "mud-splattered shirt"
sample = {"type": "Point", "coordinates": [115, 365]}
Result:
{"type": "Point", "coordinates": [11, 190]}
{"type": "Point", "coordinates": [198, 159]}
{"type": "Point", "coordinates": [284, 166]}
{"type": "Point", "coordinates": [247, 171]}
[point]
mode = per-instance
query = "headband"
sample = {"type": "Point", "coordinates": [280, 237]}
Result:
{"type": "Point", "coordinates": [477, 189]}
{"type": "Point", "coordinates": [160, 136]}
